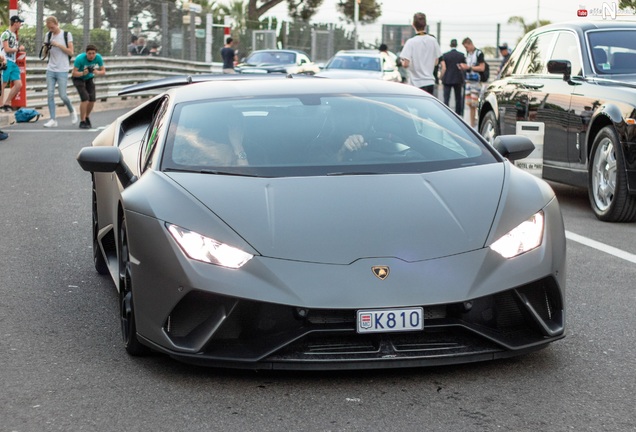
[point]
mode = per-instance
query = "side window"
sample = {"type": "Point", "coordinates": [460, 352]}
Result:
{"type": "Point", "coordinates": [152, 134]}
{"type": "Point", "coordinates": [535, 58]}
{"type": "Point", "coordinates": [567, 48]}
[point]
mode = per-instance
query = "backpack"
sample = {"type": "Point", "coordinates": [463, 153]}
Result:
{"type": "Point", "coordinates": [485, 75]}
{"type": "Point", "coordinates": [24, 115]}
{"type": "Point", "coordinates": [44, 51]}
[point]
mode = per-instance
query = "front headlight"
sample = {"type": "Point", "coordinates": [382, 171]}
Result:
{"type": "Point", "coordinates": [525, 237]}
{"type": "Point", "coordinates": [205, 249]}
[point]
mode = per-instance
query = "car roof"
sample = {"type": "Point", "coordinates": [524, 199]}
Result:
{"type": "Point", "coordinates": [589, 25]}
{"type": "Point", "coordinates": [295, 51]}
{"type": "Point", "coordinates": [219, 89]}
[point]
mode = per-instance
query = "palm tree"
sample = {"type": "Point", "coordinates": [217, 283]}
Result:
{"type": "Point", "coordinates": [527, 27]}
{"type": "Point", "coordinates": [237, 9]}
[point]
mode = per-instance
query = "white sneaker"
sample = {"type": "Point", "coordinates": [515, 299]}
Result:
{"type": "Point", "coordinates": [51, 123]}
{"type": "Point", "coordinates": [74, 117]}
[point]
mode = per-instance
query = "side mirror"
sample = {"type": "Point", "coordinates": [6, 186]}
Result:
{"type": "Point", "coordinates": [513, 147]}
{"type": "Point", "coordinates": [563, 67]}
{"type": "Point", "coordinates": [106, 159]}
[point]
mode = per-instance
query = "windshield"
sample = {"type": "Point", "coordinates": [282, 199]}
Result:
{"type": "Point", "coordinates": [355, 63]}
{"type": "Point", "coordinates": [318, 135]}
{"type": "Point", "coordinates": [613, 52]}
{"type": "Point", "coordinates": [272, 58]}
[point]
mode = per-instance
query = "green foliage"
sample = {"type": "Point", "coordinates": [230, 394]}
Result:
{"type": "Point", "coordinates": [101, 39]}
{"type": "Point", "coordinates": [527, 26]}
{"type": "Point", "coordinates": [303, 10]}
{"type": "Point", "coordinates": [368, 11]}
{"type": "Point", "coordinates": [627, 4]}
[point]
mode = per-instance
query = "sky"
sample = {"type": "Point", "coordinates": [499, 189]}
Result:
{"type": "Point", "coordinates": [456, 19]}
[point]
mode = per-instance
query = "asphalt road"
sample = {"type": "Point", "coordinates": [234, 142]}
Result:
{"type": "Point", "coordinates": [63, 367]}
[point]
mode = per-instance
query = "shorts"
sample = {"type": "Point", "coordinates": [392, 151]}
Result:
{"type": "Point", "coordinates": [11, 73]}
{"type": "Point", "coordinates": [473, 90]}
{"type": "Point", "coordinates": [85, 88]}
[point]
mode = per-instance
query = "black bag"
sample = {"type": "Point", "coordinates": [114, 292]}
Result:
{"type": "Point", "coordinates": [485, 75]}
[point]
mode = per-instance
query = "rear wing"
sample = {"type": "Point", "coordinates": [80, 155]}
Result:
{"type": "Point", "coordinates": [181, 80]}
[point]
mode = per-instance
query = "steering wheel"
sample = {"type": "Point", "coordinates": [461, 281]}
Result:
{"type": "Point", "coordinates": [384, 149]}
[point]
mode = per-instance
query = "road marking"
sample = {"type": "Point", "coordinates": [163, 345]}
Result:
{"type": "Point", "coordinates": [601, 246]}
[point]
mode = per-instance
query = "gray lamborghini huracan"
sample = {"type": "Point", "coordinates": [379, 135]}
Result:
{"type": "Point", "coordinates": [307, 223]}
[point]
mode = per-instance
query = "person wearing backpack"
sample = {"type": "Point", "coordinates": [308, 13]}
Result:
{"type": "Point", "coordinates": [11, 74]}
{"type": "Point", "coordinates": [60, 51]}
{"type": "Point", "coordinates": [476, 70]}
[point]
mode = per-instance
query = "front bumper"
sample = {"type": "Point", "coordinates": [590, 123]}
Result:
{"type": "Point", "coordinates": [215, 330]}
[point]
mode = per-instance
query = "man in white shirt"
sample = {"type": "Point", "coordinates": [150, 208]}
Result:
{"type": "Point", "coordinates": [57, 69]}
{"type": "Point", "coordinates": [420, 55]}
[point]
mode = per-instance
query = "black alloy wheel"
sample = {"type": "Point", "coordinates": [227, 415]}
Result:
{"type": "Point", "coordinates": [126, 304]}
{"type": "Point", "coordinates": [98, 258]}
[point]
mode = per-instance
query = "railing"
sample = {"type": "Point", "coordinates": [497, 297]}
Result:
{"type": "Point", "coordinates": [120, 72]}
{"type": "Point", "coordinates": [124, 71]}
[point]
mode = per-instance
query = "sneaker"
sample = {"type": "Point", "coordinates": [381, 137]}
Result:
{"type": "Point", "coordinates": [51, 123]}
{"type": "Point", "coordinates": [88, 122]}
{"type": "Point", "coordinates": [74, 117]}
{"type": "Point", "coordinates": [3, 136]}
{"type": "Point", "coordinates": [84, 125]}
{"type": "Point", "coordinates": [6, 108]}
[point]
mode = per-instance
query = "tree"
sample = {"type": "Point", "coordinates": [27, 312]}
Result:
{"type": "Point", "coordinates": [627, 4]}
{"type": "Point", "coordinates": [368, 11]}
{"type": "Point", "coordinates": [303, 9]}
{"type": "Point", "coordinates": [527, 27]}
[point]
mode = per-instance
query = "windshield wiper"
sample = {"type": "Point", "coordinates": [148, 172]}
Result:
{"type": "Point", "coordinates": [209, 171]}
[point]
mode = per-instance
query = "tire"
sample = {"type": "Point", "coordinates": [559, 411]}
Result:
{"type": "Point", "coordinates": [98, 258]}
{"type": "Point", "coordinates": [489, 127]}
{"type": "Point", "coordinates": [607, 180]}
{"type": "Point", "coordinates": [126, 303]}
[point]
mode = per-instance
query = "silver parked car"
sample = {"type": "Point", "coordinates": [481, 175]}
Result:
{"type": "Point", "coordinates": [362, 64]}
{"type": "Point", "coordinates": [273, 222]}
{"type": "Point", "coordinates": [277, 61]}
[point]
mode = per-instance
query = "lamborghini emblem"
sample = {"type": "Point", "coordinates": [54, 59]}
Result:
{"type": "Point", "coordinates": [381, 272]}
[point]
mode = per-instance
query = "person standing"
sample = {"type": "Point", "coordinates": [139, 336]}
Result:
{"type": "Point", "coordinates": [453, 76]}
{"type": "Point", "coordinates": [11, 74]}
{"type": "Point", "coordinates": [87, 65]}
{"type": "Point", "coordinates": [140, 49]}
{"type": "Point", "coordinates": [505, 55]}
{"type": "Point", "coordinates": [475, 64]}
{"type": "Point", "coordinates": [3, 61]}
{"type": "Point", "coordinates": [60, 53]}
{"type": "Point", "coordinates": [229, 56]}
{"type": "Point", "coordinates": [420, 55]}
{"type": "Point", "coordinates": [133, 44]}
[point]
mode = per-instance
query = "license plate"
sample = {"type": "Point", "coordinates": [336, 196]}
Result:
{"type": "Point", "coordinates": [390, 320]}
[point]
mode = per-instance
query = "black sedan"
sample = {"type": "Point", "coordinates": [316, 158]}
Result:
{"type": "Point", "coordinates": [572, 88]}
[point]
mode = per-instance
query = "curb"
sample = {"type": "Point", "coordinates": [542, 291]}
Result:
{"type": "Point", "coordinates": [8, 119]}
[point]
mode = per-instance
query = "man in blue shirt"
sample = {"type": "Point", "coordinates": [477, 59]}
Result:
{"type": "Point", "coordinates": [87, 65]}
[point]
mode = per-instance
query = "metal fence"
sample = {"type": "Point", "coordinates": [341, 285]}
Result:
{"type": "Point", "coordinates": [198, 35]}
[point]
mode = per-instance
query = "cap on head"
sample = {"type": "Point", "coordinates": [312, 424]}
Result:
{"type": "Point", "coordinates": [15, 19]}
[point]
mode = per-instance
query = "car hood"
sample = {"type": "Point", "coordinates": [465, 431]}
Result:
{"type": "Point", "coordinates": [339, 220]}
{"type": "Point", "coordinates": [619, 80]}
{"type": "Point", "coordinates": [349, 73]}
